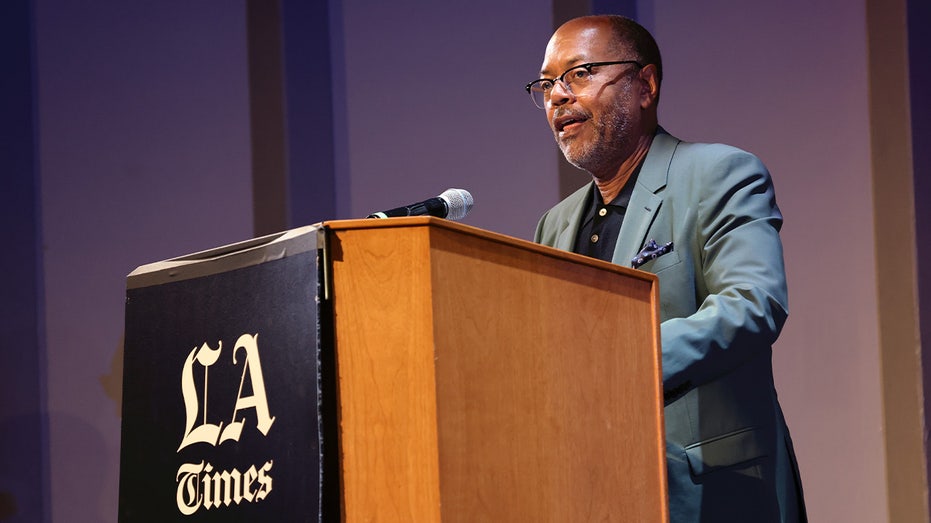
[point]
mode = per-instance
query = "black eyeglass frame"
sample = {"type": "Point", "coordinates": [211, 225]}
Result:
{"type": "Point", "coordinates": [561, 78]}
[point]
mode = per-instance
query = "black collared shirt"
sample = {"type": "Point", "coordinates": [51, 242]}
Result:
{"type": "Point", "coordinates": [601, 223]}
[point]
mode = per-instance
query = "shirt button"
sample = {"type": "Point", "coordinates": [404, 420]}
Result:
{"type": "Point", "coordinates": [602, 212]}
{"type": "Point", "coordinates": [594, 238]}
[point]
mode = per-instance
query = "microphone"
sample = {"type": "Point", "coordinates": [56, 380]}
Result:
{"type": "Point", "coordinates": [453, 204]}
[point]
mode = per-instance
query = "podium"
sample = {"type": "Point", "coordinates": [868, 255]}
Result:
{"type": "Point", "coordinates": [409, 369]}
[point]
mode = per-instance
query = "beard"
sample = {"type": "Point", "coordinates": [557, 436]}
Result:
{"type": "Point", "coordinates": [613, 135]}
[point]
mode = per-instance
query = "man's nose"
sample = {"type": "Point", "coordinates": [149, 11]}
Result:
{"type": "Point", "coordinates": [560, 94]}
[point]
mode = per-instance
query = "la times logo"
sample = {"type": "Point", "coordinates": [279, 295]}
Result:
{"type": "Point", "coordinates": [201, 485]}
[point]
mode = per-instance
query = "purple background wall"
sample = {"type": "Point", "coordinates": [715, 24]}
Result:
{"type": "Point", "coordinates": [23, 430]}
{"type": "Point", "coordinates": [437, 102]}
{"type": "Point", "coordinates": [788, 81]}
{"type": "Point", "coordinates": [142, 152]}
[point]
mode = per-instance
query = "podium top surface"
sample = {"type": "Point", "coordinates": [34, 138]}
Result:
{"type": "Point", "coordinates": [312, 237]}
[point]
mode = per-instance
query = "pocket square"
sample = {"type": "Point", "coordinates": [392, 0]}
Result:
{"type": "Point", "coordinates": [650, 251]}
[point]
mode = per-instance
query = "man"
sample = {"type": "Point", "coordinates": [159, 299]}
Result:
{"type": "Point", "coordinates": [722, 286]}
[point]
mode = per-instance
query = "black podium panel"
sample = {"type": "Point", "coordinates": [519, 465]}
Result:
{"type": "Point", "coordinates": [221, 393]}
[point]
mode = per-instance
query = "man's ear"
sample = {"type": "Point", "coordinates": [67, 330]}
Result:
{"type": "Point", "coordinates": [649, 90]}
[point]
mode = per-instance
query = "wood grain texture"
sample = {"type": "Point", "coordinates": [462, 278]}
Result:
{"type": "Point", "coordinates": [506, 381]}
{"type": "Point", "coordinates": [383, 326]}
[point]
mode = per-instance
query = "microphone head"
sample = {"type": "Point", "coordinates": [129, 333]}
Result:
{"type": "Point", "coordinates": [458, 203]}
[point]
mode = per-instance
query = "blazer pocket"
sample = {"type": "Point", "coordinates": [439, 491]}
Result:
{"type": "Point", "coordinates": [663, 262]}
{"type": "Point", "coordinates": [725, 451]}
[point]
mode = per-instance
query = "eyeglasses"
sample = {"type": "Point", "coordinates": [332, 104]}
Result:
{"type": "Point", "coordinates": [575, 80]}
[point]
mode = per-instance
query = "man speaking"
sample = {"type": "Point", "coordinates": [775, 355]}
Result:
{"type": "Point", "coordinates": [711, 214]}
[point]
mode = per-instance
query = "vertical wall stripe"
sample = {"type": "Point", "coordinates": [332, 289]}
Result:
{"type": "Point", "coordinates": [23, 420]}
{"type": "Point", "coordinates": [919, 58]}
{"type": "Point", "coordinates": [626, 8]}
{"type": "Point", "coordinates": [308, 87]}
{"type": "Point", "coordinates": [266, 109]}
{"type": "Point", "coordinates": [291, 93]}
{"type": "Point", "coordinates": [339, 107]}
{"type": "Point", "coordinates": [894, 213]}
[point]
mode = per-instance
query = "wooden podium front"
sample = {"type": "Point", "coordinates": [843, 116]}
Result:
{"type": "Point", "coordinates": [407, 369]}
{"type": "Point", "coordinates": [484, 378]}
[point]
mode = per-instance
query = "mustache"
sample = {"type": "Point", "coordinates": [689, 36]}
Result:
{"type": "Point", "coordinates": [570, 113]}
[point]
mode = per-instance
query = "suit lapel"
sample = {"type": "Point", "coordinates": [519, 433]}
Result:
{"type": "Point", "coordinates": [646, 198]}
{"type": "Point", "coordinates": [565, 240]}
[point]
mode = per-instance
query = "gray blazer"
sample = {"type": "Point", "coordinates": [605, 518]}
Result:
{"type": "Point", "coordinates": [723, 302]}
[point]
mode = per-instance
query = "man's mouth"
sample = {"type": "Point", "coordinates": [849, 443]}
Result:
{"type": "Point", "coordinates": [568, 122]}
